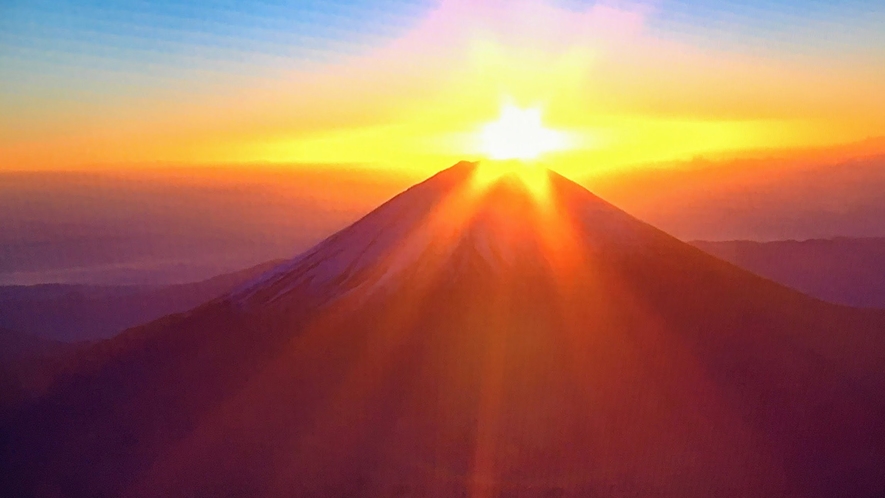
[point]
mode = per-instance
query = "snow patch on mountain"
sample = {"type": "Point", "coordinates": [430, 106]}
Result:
{"type": "Point", "coordinates": [359, 248]}
{"type": "Point", "coordinates": [415, 232]}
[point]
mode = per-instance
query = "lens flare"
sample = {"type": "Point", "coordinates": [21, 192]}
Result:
{"type": "Point", "coordinates": [534, 178]}
{"type": "Point", "coordinates": [519, 134]}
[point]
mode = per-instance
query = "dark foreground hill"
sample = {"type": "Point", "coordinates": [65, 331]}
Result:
{"type": "Point", "coordinates": [477, 335]}
{"type": "Point", "coordinates": [26, 365]}
{"type": "Point", "coordinates": [842, 270]}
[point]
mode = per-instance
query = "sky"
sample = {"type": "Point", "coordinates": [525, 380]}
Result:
{"type": "Point", "coordinates": [166, 140]}
{"type": "Point", "coordinates": [409, 84]}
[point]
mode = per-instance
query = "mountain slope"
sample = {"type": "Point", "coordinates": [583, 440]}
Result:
{"type": "Point", "coordinates": [24, 359]}
{"type": "Point", "coordinates": [843, 270]}
{"type": "Point", "coordinates": [476, 336]}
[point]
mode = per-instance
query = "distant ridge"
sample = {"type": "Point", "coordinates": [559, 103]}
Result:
{"type": "Point", "coordinates": [71, 313]}
{"type": "Point", "coordinates": [842, 270]}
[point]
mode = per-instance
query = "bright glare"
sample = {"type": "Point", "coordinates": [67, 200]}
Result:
{"type": "Point", "coordinates": [519, 134]}
{"type": "Point", "coordinates": [534, 178]}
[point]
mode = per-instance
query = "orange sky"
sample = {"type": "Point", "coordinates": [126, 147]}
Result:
{"type": "Point", "coordinates": [627, 91]}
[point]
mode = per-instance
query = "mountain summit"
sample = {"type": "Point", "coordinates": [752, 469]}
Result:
{"type": "Point", "coordinates": [481, 334]}
{"type": "Point", "coordinates": [462, 221]}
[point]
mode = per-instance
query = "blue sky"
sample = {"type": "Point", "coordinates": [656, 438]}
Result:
{"type": "Point", "coordinates": [157, 31]}
{"type": "Point", "coordinates": [169, 38]}
{"type": "Point", "coordinates": [83, 43]}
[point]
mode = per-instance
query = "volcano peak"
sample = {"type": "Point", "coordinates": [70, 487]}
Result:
{"type": "Point", "coordinates": [464, 215]}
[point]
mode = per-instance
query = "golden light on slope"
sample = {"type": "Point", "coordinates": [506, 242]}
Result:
{"type": "Point", "coordinates": [519, 134]}
{"type": "Point", "coordinates": [534, 178]}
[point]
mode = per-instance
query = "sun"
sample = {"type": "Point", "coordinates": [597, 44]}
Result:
{"type": "Point", "coordinates": [519, 134]}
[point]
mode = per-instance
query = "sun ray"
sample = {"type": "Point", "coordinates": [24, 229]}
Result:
{"type": "Point", "coordinates": [520, 134]}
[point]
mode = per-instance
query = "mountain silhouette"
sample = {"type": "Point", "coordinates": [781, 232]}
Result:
{"type": "Point", "coordinates": [478, 335]}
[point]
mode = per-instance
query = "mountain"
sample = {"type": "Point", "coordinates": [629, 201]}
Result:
{"type": "Point", "coordinates": [483, 333]}
{"type": "Point", "coordinates": [842, 270]}
{"type": "Point", "coordinates": [26, 365]}
{"type": "Point", "coordinates": [15, 346]}
{"type": "Point", "coordinates": [71, 313]}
